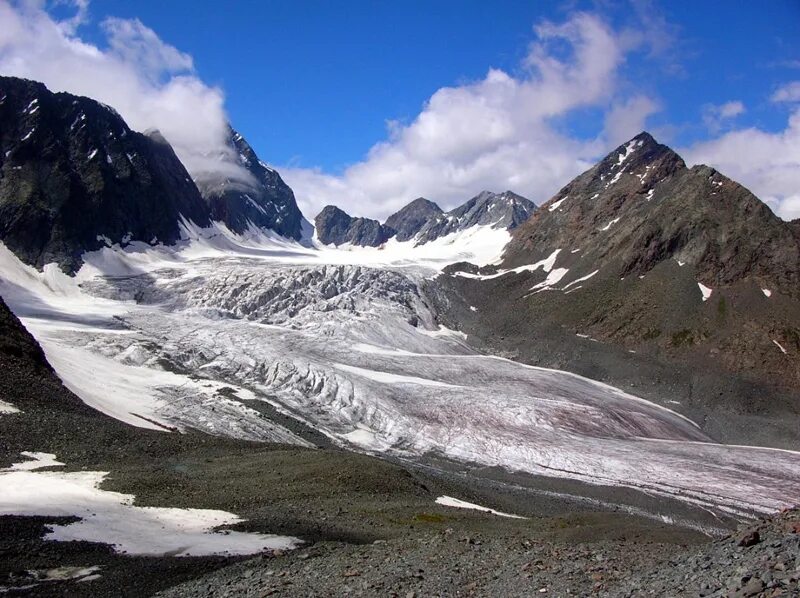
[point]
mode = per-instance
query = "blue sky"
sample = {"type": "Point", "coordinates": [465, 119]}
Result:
{"type": "Point", "coordinates": [313, 83]}
{"type": "Point", "coordinates": [370, 104]}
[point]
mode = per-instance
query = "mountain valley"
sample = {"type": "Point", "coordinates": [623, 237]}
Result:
{"type": "Point", "coordinates": [568, 397]}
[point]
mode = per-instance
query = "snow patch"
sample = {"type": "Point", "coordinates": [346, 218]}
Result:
{"type": "Point", "coordinates": [556, 205]}
{"type": "Point", "coordinates": [610, 224]}
{"type": "Point", "coordinates": [767, 292]}
{"type": "Point", "coordinates": [553, 278]}
{"type": "Point", "coordinates": [777, 344]}
{"type": "Point", "coordinates": [449, 501]}
{"type": "Point", "coordinates": [7, 407]}
{"type": "Point", "coordinates": [577, 280]}
{"type": "Point", "coordinates": [36, 461]}
{"type": "Point", "coordinates": [706, 291]}
{"type": "Point", "coordinates": [627, 152]}
{"type": "Point", "coordinates": [111, 518]}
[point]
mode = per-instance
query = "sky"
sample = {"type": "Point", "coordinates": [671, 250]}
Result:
{"type": "Point", "coordinates": [368, 105]}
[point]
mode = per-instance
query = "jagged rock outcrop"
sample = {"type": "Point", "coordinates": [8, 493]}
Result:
{"type": "Point", "coordinates": [409, 220]}
{"type": "Point", "coordinates": [499, 210]}
{"type": "Point", "coordinates": [423, 221]}
{"type": "Point", "coordinates": [260, 198]}
{"type": "Point", "coordinates": [74, 176]}
{"type": "Point", "coordinates": [335, 227]}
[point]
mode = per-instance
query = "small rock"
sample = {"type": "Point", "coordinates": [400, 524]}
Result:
{"type": "Point", "coordinates": [753, 587]}
{"type": "Point", "coordinates": [749, 539]}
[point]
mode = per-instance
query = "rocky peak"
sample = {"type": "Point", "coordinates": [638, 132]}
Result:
{"type": "Point", "coordinates": [499, 210]}
{"type": "Point", "coordinates": [641, 205]}
{"type": "Point", "coordinates": [335, 227]}
{"type": "Point", "coordinates": [258, 196]}
{"type": "Point", "coordinates": [74, 176]}
{"type": "Point", "coordinates": [408, 221]}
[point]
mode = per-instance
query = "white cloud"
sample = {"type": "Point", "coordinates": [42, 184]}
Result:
{"type": "Point", "coordinates": [767, 163]}
{"type": "Point", "coordinates": [501, 132]}
{"type": "Point", "coordinates": [628, 117]}
{"type": "Point", "coordinates": [150, 83]}
{"type": "Point", "coordinates": [789, 92]}
{"type": "Point", "coordinates": [715, 117]}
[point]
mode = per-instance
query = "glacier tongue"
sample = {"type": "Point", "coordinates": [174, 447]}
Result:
{"type": "Point", "coordinates": [353, 350]}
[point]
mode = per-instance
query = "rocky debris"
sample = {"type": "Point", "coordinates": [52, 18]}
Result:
{"type": "Point", "coordinates": [409, 220]}
{"type": "Point", "coordinates": [749, 538]}
{"type": "Point", "coordinates": [450, 564]}
{"type": "Point", "coordinates": [74, 177]}
{"type": "Point", "coordinates": [499, 210]}
{"type": "Point", "coordinates": [763, 559]}
{"type": "Point", "coordinates": [262, 199]}
{"type": "Point", "coordinates": [335, 227]}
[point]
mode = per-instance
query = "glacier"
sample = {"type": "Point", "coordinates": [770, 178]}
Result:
{"type": "Point", "coordinates": [345, 340]}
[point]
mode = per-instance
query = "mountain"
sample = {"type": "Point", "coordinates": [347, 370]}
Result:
{"type": "Point", "coordinates": [335, 227]}
{"type": "Point", "coordinates": [645, 272]}
{"type": "Point", "coordinates": [261, 199]}
{"type": "Point", "coordinates": [74, 176]}
{"type": "Point", "coordinates": [423, 221]}
{"type": "Point", "coordinates": [408, 221]}
{"type": "Point", "coordinates": [499, 210]}
{"type": "Point", "coordinates": [641, 205]}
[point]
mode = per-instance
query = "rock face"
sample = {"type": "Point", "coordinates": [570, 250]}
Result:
{"type": "Point", "coordinates": [423, 221]}
{"type": "Point", "coordinates": [73, 176]}
{"type": "Point", "coordinates": [335, 227]}
{"type": "Point", "coordinates": [499, 210]}
{"type": "Point", "coordinates": [262, 199]}
{"type": "Point", "coordinates": [408, 221]}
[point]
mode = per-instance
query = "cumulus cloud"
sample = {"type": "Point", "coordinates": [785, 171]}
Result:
{"type": "Point", "coordinates": [501, 132]}
{"type": "Point", "coordinates": [150, 83]}
{"type": "Point", "coordinates": [767, 163]}
{"type": "Point", "coordinates": [627, 116]}
{"type": "Point", "coordinates": [789, 92]}
{"type": "Point", "coordinates": [716, 116]}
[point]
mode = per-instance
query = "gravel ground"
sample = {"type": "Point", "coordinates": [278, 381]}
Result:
{"type": "Point", "coordinates": [761, 560]}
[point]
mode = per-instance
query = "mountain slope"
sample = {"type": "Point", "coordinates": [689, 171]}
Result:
{"type": "Point", "coordinates": [641, 205]}
{"type": "Point", "coordinates": [644, 272]}
{"type": "Point", "coordinates": [263, 199]}
{"type": "Point", "coordinates": [74, 176]}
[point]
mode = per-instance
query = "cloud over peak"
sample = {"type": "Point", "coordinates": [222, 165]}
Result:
{"type": "Point", "coordinates": [499, 132]}
{"type": "Point", "coordinates": [149, 82]}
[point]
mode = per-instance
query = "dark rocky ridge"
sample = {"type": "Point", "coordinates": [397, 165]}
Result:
{"type": "Point", "coordinates": [335, 227]}
{"type": "Point", "coordinates": [424, 221]}
{"type": "Point", "coordinates": [265, 201]}
{"type": "Point", "coordinates": [72, 170]}
{"type": "Point", "coordinates": [500, 210]}
{"type": "Point", "coordinates": [409, 220]}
